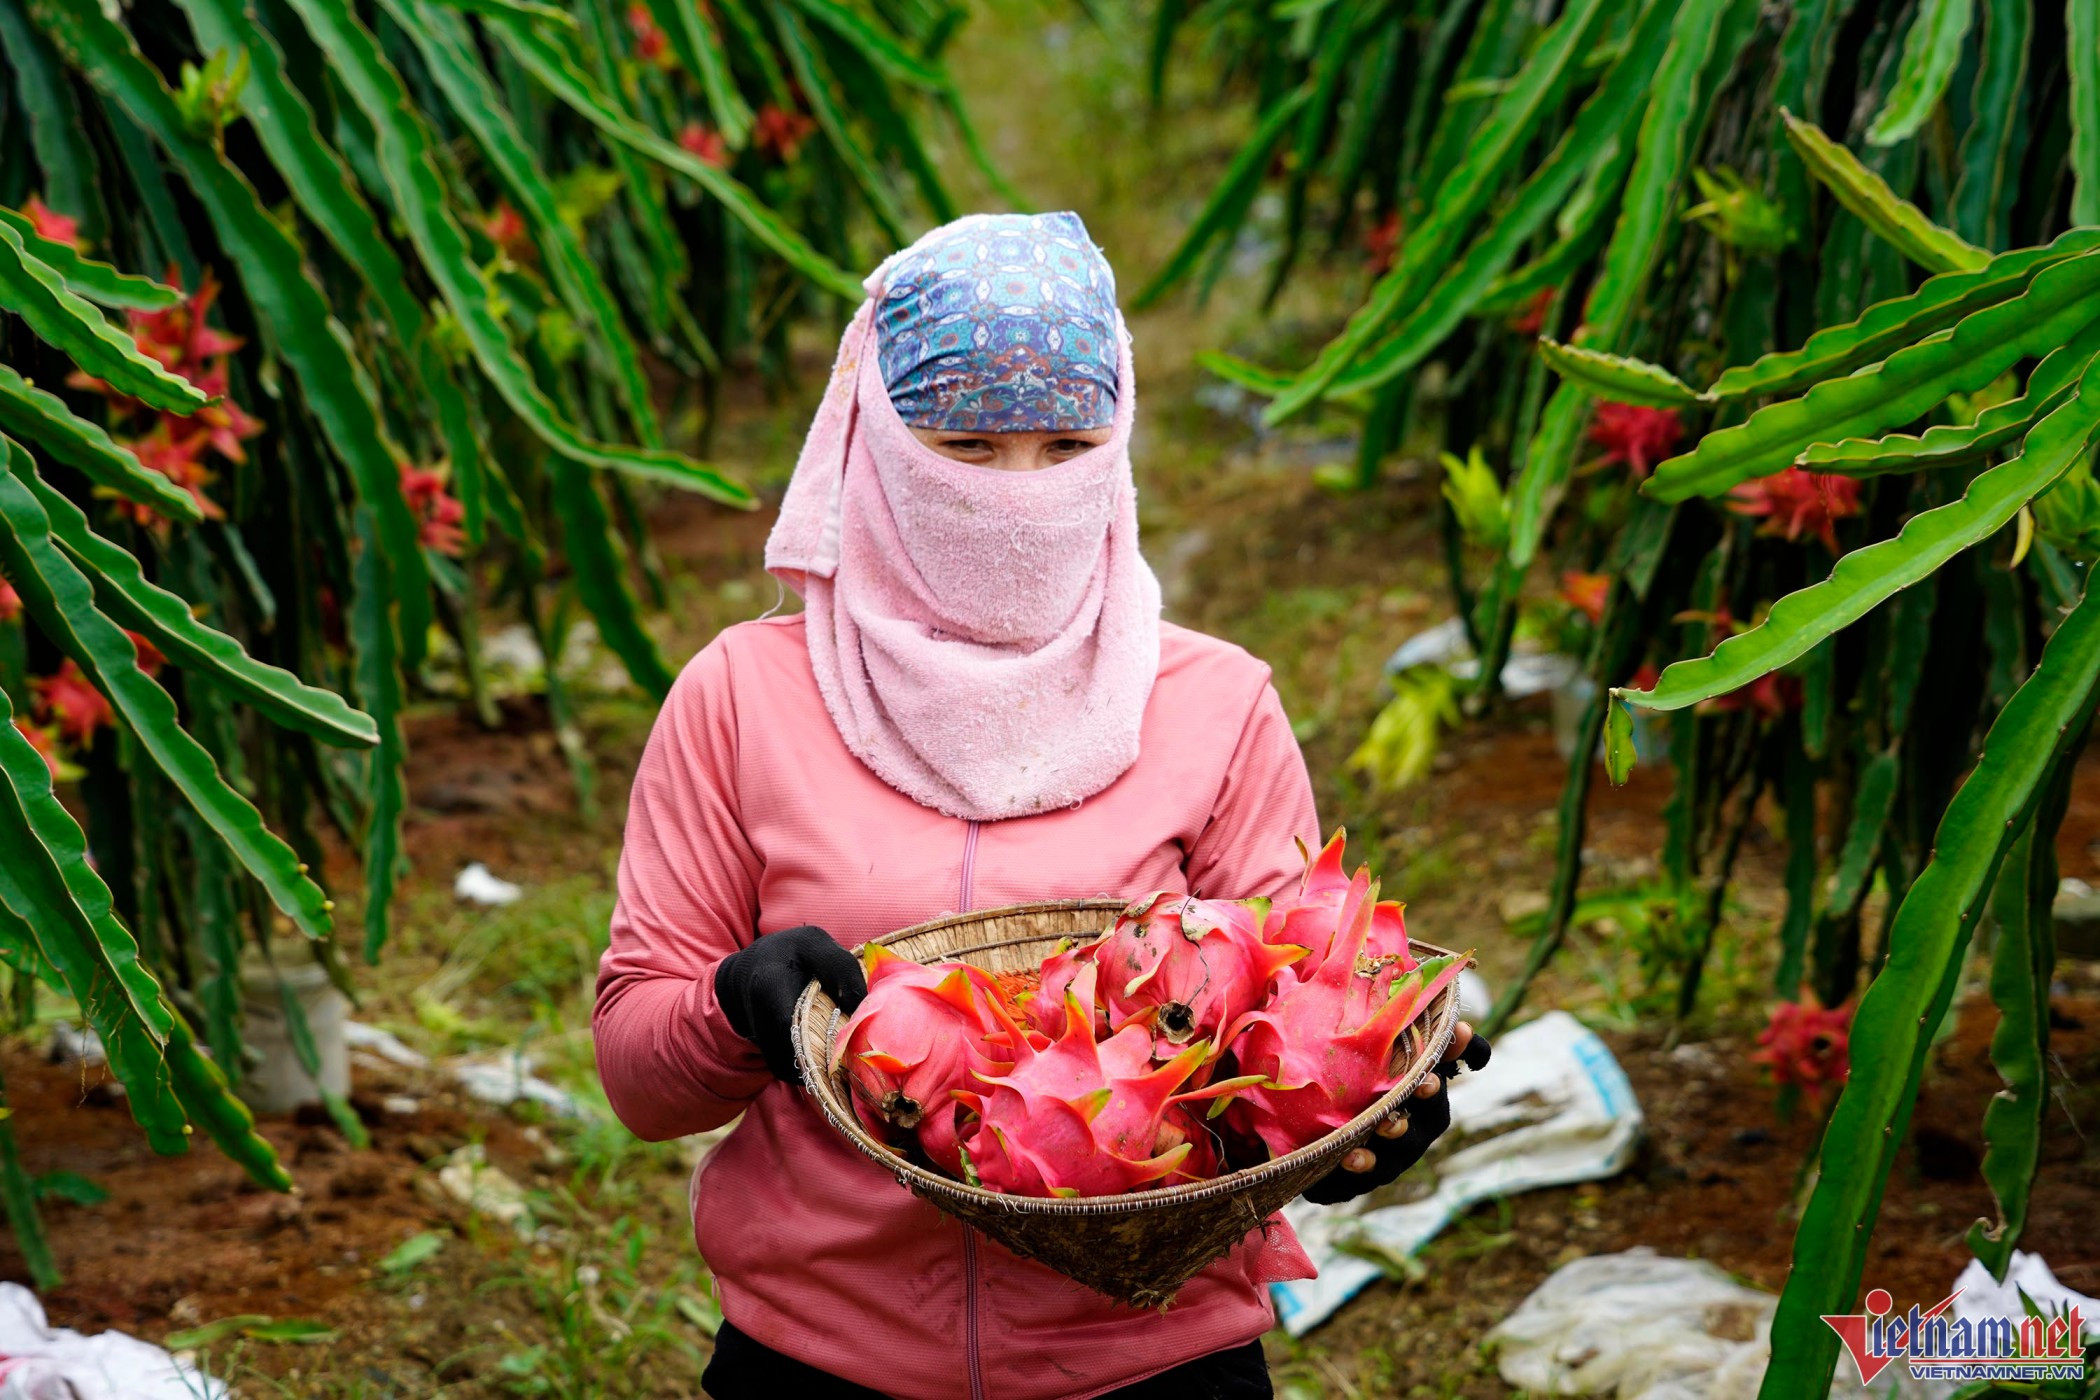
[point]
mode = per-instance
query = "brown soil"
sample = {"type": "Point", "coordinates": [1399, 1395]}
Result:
{"type": "Point", "coordinates": [491, 795]}
{"type": "Point", "coordinates": [1716, 1179]}
{"type": "Point", "coordinates": [189, 1240]}
{"type": "Point", "coordinates": [2078, 840]}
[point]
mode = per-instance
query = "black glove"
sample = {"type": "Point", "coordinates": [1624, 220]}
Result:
{"type": "Point", "coordinates": [758, 987]}
{"type": "Point", "coordinates": [1426, 1121]}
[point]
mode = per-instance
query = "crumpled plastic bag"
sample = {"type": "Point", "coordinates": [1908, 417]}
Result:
{"type": "Point", "coordinates": [1983, 1296]}
{"type": "Point", "coordinates": [42, 1362]}
{"type": "Point", "coordinates": [477, 884]}
{"type": "Point", "coordinates": [506, 1078]}
{"type": "Point", "coordinates": [1638, 1326]}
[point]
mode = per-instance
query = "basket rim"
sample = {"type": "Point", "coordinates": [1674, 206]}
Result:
{"type": "Point", "coordinates": [1443, 1013]}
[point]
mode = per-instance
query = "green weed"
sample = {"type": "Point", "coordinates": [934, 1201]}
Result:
{"type": "Point", "coordinates": [605, 1322]}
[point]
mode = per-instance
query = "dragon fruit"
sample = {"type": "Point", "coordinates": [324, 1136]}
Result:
{"type": "Point", "coordinates": [1079, 1117]}
{"type": "Point", "coordinates": [1102, 1070]}
{"type": "Point", "coordinates": [920, 1035]}
{"type": "Point", "coordinates": [1181, 1125]}
{"type": "Point", "coordinates": [1188, 968]}
{"type": "Point", "coordinates": [1326, 905]}
{"type": "Point", "coordinates": [1070, 967]}
{"type": "Point", "coordinates": [1327, 1046]}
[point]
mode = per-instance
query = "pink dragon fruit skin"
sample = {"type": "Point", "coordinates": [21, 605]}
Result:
{"type": "Point", "coordinates": [1326, 1046]}
{"type": "Point", "coordinates": [1325, 906]}
{"type": "Point", "coordinates": [1071, 966]}
{"type": "Point", "coordinates": [1179, 1126]}
{"type": "Point", "coordinates": [1187, 967]}
{"type": "Point", "coordinates": [1085, 1118]}
{"type": "Point", "coordinates": [1388, 936]}
{"type": "Point", "coordinates": [1323, 873]}
{"type": "Point", "coordinates": [922, 1033]}
{"type": "Point", "coordinates": [940, 1133]}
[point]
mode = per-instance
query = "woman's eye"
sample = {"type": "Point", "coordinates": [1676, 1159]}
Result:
{"type": "Point", "coordinates": [967, 445]}
{"type": "Point", "coordinates": [1070, 446]}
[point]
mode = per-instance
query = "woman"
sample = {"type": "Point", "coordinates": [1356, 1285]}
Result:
{"type": "Point", "coordinates": [978, 706]}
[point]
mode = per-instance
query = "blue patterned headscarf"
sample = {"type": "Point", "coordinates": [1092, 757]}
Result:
{"type": "Point", "coordinates": [1001, 323]}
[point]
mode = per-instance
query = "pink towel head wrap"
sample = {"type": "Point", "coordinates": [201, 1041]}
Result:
{"type": "Point", "coordinates": [984, 640]}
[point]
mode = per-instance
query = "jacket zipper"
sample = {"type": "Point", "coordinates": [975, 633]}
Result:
{"type": "Point", "coordinates": [970, 1343]}
{"type": "Point", "coordinates": [969, 871]}
{"type": "Point", "coordinates": [970, 1313]}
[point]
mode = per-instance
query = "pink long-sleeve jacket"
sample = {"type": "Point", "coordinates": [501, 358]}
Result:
{"type": "Point", "coordinates": [749, 815]}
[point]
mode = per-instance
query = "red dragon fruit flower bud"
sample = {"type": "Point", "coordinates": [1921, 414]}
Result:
{"type": "Point", "coordinates": [44, 739]}
{"type": "Point", "coordinates": [1636, 435]}
{"type": "Point", "coordinates": [150, 659]}
{"type": "Point", "coordinates": [1381, 242]}
{"type": "Point", "coordinates": [70, 701]}
{"type": "Point", "coordinates": [52, 225]}
{"type": "Point", "coordinates": [1532, 319]}
{"type": "Point", "coordinates": [706, 143]}
{"type": "Point", "coordinates": [1794, 502]}
{"type": "Point", "coordinates": [1585, 593]}
{"type": "Point", "coordinates": [438, 513]}
{"type": "Point", "coordinates": [651, 45]}
{"type": "Point", "coordinates": [1806, 1046]}
{"type": "Point", "coordinates": [505, 227]}
{"type": "Point", "coordinates": [780, 131]}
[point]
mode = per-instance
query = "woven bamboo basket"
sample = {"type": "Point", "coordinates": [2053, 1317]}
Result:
{"type": "Point", "coordinates": [1138, 1248]}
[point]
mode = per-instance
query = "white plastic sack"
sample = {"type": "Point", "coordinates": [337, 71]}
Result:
{"type": "Point", "coordinates": [1474, 998]}
{"type": "Point", "coordinates": [42, 1362]}
{"type": "Point", "coordinates": [501, 1078]}
{"type": "Point", "coordinates": [1552, 1108]}
{"type": "Point", "coordinates": [1639, 1327]}
{"type": "Point", "coordinates": [71, 1044]}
